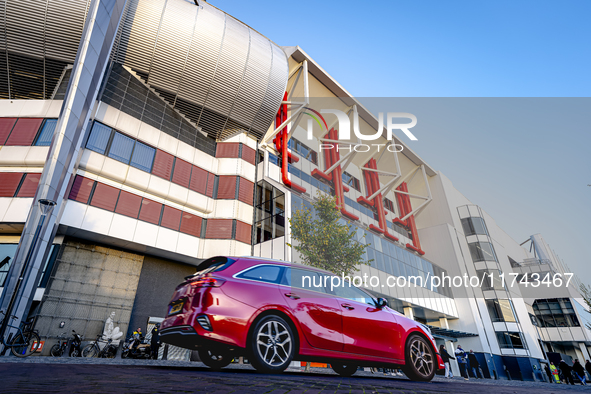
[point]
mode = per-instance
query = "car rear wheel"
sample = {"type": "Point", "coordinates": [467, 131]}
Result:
{"type": "Point", "coordinates": [344, 369]}
{"type": "Point", "coordinates": [420, 359]}
{"type": "Point", "coordinates": [272, 345]}
{"type": "Point", "coordinates": [215, 358]}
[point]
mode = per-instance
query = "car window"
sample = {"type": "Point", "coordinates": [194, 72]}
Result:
{"type": "Point", "coordinates": [304, 279]}
{"type": "Point", "coordinates": [263, 273]}
{"type": "Point", "coordinates": [350, 292]}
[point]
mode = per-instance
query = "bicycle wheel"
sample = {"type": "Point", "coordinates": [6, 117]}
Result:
{"type": "Point", "coordinates": [90, 350]}
{"type": "Point", "coordinates": [22, 344]}
{"type": "Point", "coordinates": [56, 350]}
{"type": "Point", "coordinates": [111, 352]}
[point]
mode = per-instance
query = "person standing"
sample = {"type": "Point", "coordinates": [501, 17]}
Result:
{"type": "Point", "coordinates": [579, 371]}
{"type": "Point", "coordinates": [554, 371]}
{"type": "Point", "coordinates": [155, 341]}
{"type": "Point", "coordinates": [588, 367]}
{"type": "Point", "coordinates": [445, 356]}
{"type": "Point", "coordinates": [462, 361]}
{"type": "Point", "coordinates": [549, 373]}
{"type": "Point", "coordinates": [566, 372]}
{"type": "Point", "coordinates": [475, 365]}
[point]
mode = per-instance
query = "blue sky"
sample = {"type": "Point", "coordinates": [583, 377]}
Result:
{"type": "Point", "coordinates": [471, 49]}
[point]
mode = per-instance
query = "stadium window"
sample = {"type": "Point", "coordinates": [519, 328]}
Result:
{"type": "Point", "coordinates": [46, 134]}
{"type": "Point", "coordinates": [143, 156]}
{"type": "Point", "coordinates": [351, 181]}
{"type": "Point", "coordinates": [121, 148]}
{"type": "Point", "coordinates": [99, 138]}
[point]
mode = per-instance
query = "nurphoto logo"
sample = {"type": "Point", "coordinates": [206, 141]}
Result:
{"type": "Point", "coordinates": [344, 129]}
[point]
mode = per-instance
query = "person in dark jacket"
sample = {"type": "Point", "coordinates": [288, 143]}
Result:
{"type": "Point", "coordinates": [588, 367]}
{"type": "Point", "coordinates": [475, 365]}
{"type": "Point", "coordinates": [566, 372]}
{"type": "Point", "coordinates": [155, 341]}
{"type": "Point", "coordinates": [462, 361]}
{"type": "Point", "coordinates": [579, 370]}
{"type": "Point", "coordinates": [549, 373]}
{"type": "Point", "coordinates": [445, 356]}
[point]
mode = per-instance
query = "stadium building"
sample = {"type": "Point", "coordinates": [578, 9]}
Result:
{"type": "Point", "coordinates": [167, 132]}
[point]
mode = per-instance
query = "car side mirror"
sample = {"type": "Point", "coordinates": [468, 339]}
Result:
{"type": "Point", "coordinates": [382, 302]}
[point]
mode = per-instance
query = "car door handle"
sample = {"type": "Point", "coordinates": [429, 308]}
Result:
{"type": "Point", "coordinates": [347, 306]}
{"type": "Point", "coordinates": [292, 296]}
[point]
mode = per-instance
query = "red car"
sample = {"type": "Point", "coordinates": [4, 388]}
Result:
{"type": "Point", "coordinates": [274, 312]}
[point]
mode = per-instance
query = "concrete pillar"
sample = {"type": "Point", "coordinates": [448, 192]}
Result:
{"type": "Point", "coordinates": [89, 68]}
{"type": "Point", "coordinates": [443, 323]}
{"type": "Point", "coordinates": [408, 312]}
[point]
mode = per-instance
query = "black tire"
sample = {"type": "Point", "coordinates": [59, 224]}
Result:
{"type": "Point", "coordinates": [56, 350]}
{"type": "Point", "coordinates": [22, 344]}
{"type": "Point", "coordinates": [420, 359]}
{"type": "Point", "coordinates": [111, 352]}
{"type": "Point", "coordinates": [344, 369]}
{"type": "Point", "coordinates": [90, 351]}
{"type": "Point", "coordinates": [215, 358]}
{"type": "Point", "coordinates": [75, 353]}
{"type": "Point", "coordinates": [271, 345]}
{"type": "Point", "coordinates": [125, 353]}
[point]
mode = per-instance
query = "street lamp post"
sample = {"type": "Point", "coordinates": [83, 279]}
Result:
{"type": "Point", "coordinates": [45, 206]}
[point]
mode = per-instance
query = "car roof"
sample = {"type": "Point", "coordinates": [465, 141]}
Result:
{"type": "Point", "coordinates": [282, 262]}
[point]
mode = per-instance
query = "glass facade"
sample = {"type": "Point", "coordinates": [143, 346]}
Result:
{"type": "Point", "coordinates": [482, 251]}
{"type": "Point", "coordinates": [106, 141]}
{"type": "Point", "coordinates": [387, 256]}
{"type": "Point", "coordinates": [501, 311]}
{"type": "Point", "coordinates": [473, 226]}
{"type": "Point", "coordinates": [7, 252]}
{"type": "Point", "coordinates": [555, 312]}
{"type": "Point", "coordinates": [270, 213]}
{"type": "Point", "coordinates": [46, 134]}
{"type": "Point", "coordinates": [510, 340]}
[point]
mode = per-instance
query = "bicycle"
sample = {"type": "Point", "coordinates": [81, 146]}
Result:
{"type": "Point", "coordinates": [59, 348]}
{"type": "Point", "coordinates": [23, 343]}
{"type": "Point", "coordinates": [94, 350]}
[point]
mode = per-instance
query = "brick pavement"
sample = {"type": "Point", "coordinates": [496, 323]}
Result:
{"type": "Point", "coordinates": [66, 375]}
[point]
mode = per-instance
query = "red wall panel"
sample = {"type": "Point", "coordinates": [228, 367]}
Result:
{"type": "Point", "coordinates": [9, 182]}
{"type": "Point", "coordinates": [227, 149]}
{"type": "Point", "coordinates": [162, 164]}
{"type": "Point", "coordinates": [227, 187]}
{"type": "Point", "coordinates": [182, 173]}
{"type": "Point", "coordinates": [24, 131]}
{"type": "Point", "coordinates": [171, 218]}
{"type": "Point", "coordinates": [219, 229]}
{"type": "Point", "coordinates": [248, 154]}
{"type": "Point", "coordinates": [199, 180]}
{"type": "Point", "coordinates": [246, 191]}
{"type": "Point", "coordinates": [150, 211]}
{"type": "Point", "coordinates": [29, 186]}
{"type": "Point", "coordinates": [129, 204]}
{"type": "Point", "coordinates": [6, 125]}
{"type": "Point", "coordinates": [81, 189]}
{"type": "Point", "coordinates": [191, 224]}
{"type": "Point", "coordinates": [105, 197]}
{"type": "Point", "coordinates": [243, 232]}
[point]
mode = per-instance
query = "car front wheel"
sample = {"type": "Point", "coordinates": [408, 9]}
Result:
{"type": "Point", "coordinates": [344, 369]}
{"type": "Point", "coordinates": [272, 345]}
{"type": "Point", "coordinates": [420, 359]}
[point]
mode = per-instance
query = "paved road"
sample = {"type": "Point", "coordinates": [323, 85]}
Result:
{"type": "Point", "coordinates": [46, 375]}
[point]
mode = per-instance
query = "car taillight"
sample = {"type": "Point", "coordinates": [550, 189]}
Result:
{"type": "Point", "coordinates": [207, 282]}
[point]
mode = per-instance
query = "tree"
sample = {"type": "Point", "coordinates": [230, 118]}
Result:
{"type": "Point", "coordinates": [586, 293]}
{"type": "Point", "coordinates": [324, 242]}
